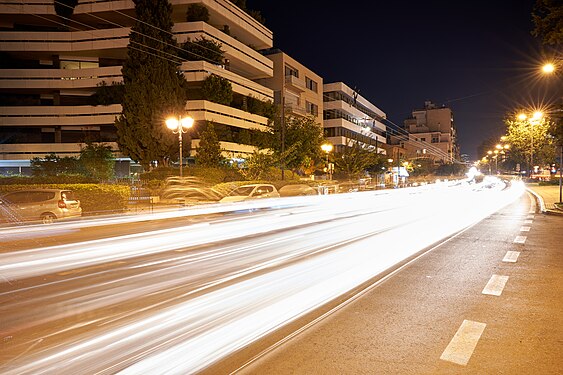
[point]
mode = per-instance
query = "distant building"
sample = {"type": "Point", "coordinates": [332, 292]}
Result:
{"type": "Point", "coordinates": [431, 134]}
{"type": "Point", "coordinates": [349, 117]}
{"type": "Point", "coordinates": [48, 73]}
{"type": "Point", "coordinates": [298, 87]}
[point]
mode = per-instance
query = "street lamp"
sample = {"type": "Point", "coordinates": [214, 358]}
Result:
{"type": "Point", "coordinates": [327, 147]}
{"type": "Point", "coordinates": [179, 126]}
{"type": "Point", "coordinates": [548, 68]}
{"type": "Point", "coordinates": [536, 116]}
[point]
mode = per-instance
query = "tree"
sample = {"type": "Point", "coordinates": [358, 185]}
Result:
{"type": "Point", "coordinates": [530, 138]}
{"type": "Point", "coordinates": [259, 166]}
{"type": "Point", "coordinates": [217, 89]}
{"type": "Point", "coordinates": [108, 94]}
{"type": "Point", "coordinates": [98, 161]}
{"type": "Point", "coordinates": [355, 159]}
{"type": "Point", "coordinates": [547, 17]}
{"type": "Point", "coordinates": [154, 86]}
{"type": "Point", "coordinates": [302, 141]}
{"type": "Point", "coordinates": [202, 49]}
{"type": "Point", "coordinates": [197, 12]}
{"type": "Point", "coordinates": [53, 165]}
{"type": "Point", "coordinates": [209, 150]}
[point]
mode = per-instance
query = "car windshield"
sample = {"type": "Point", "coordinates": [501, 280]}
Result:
{"type": "Point", "coordinates": [243, 190]}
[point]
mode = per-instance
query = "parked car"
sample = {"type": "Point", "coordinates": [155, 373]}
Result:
{"type": "Point", "coordinates": [297, 190]}
{"type": "Point", "coordinates": [252, 191]}
{"type": "Point", "coordinates": [46, 205]}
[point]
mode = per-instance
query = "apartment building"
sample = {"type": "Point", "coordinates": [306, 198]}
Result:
{"type": "Point", "coordinates": [349, 117]}
{"type": "Point", "coordinates": [432, 134]}
{"type": "Point", "coordinates": [298, 87]}
{"type": "Point", "coordinates": [49, 72]}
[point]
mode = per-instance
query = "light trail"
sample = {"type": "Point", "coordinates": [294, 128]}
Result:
{"type": "Point", "coordinates": [181, 310]}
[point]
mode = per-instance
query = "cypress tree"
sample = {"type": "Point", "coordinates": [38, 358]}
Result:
{"type": "Point", "coordinates": [209, 150]}
{"type": "Point", "coordinates": [154, 87]}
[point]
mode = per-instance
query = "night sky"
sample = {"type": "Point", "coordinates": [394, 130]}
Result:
{"type": "Point", "coordinates": [476, 57]}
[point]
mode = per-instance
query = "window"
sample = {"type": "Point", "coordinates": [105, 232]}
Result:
{"type": "Point", "coordinates": [291, 71]}
{"type": "Point", "coordinates": [435, 139]}
{"type": "Point", "coordinates": [311, 85]}
{"type": "Point", "coordinates": [312, 108]}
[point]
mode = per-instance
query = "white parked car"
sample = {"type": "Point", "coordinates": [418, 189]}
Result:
{"type": "Point", "coordinates": [252, 191]}
{"type": "Point", "coordinates": [46, 205]}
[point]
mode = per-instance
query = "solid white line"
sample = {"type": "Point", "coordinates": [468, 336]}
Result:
{"type": "Point", "coordinates": [525, 229]}
{"type": "Point", "coordinates": [495, 285]}
{"type": "Point", "coordinates": [460, 349]}
{"type": "Point", "coordinates": [511, 256]}
{"type": "Point", "coordinates": [528, 221]}
{"type": "Point", "coordinates": [520, 239]}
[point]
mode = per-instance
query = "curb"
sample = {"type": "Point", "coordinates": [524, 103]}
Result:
{"type": "Point", "coordinates": [538, 197]}
{"type": "Point", "coordinates": [543, 209]}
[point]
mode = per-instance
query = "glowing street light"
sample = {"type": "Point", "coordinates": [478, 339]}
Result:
{"type": "Point", "coordinates": [548, 68]}
{"type": "Point", "coordinates": [327, 147]}
{"type": "Point", "coordinates": [179, 126]}
{"type": "Point", "coordinates": [536, 117]}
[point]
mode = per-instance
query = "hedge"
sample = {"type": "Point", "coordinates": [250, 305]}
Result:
{"type": "Point", "coordinates": [94, 198]}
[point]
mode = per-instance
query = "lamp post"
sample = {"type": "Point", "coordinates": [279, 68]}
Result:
{"type": "Point", "coordinates": [327, 147]}
{"type": "Point", "coordinates": [502, 148]}
{"type": "Point", "coordinates": [536, 116]}
{"type": "Point", "coordinates": [179, 126]}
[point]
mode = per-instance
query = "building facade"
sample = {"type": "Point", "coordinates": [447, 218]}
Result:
{"type": "Point", "coordinates": [349, 118]}
{"type": "Point", "coordinates": [431, 134]}
{"type": "Point", "coordinates": [49, 72]}
{"type": "Point", "coordinates": [295, 85]}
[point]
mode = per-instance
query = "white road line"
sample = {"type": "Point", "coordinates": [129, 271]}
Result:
{"type": "Point", "coordinates": [460, 349]}
{"type": "Point", "coordinates": [525, 229]}
{"type": "Point", "coordinates": [511, 256]}
{"type": "Point", "coordinates": [495, 285]}
{"type": "Point", "coordinates": [528, 221]}
{"type": "Point", "coordinates": [520, 239]}
{"type": "Point", "coordinates": [530, 217]}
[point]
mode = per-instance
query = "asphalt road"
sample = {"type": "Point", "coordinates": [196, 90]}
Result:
{"type": "Point", "coordinates": [409, 323]}
{"type": "Point", "coordinates": [183, 294]}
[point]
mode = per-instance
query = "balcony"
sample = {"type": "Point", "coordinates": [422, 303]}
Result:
{"type": "Point", "coordinates": [199, 70]}
{"type": "Point", "coordinates": [58, 79]}
{"type": "Point", "coordinates": [26, 151]}
{"type": "Point", "coordinates": [66, 42]}
{"type": "Point", "coordinates": [59, 115]}
{"type": "Point", "coordinates": [222, 114]}
{"type": "Point", "coordinates": [294, 83]}
{"type": "Point", "coordinates": [243, 59]}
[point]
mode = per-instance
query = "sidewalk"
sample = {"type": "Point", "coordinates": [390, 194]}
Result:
{"type": "Point", "coordinates": [548, 197]}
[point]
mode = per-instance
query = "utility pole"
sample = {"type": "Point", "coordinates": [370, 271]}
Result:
{"type": "Point", "coordinates": [283, 133]}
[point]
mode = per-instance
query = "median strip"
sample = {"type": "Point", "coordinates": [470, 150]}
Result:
{"type": "Point", "coordinates": [495, 285]}
{"type": "Point", "coordinates": [461, 347]}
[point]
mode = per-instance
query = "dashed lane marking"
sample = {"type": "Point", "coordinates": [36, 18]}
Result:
{"type": "Point", "coordinates": [528, 221]}
{"type": "Point", "coordinates": [525, 229]}
{"type": "Point", "coordinates": [461, 347]}
{"type": "Point", "coordinates": [511, 256]}
{"type": "Point", "coordinates": [530, 217]}
{"type": "Point", "coordinates": [495, 285]}
{"type": "Point", "coordinates": [520, 239]}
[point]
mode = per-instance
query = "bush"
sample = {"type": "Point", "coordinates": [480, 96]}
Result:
{"type": "Point", "coordinates": [35, 180]}
{"type": "Point", "coordinates": [197, 12]}
{"type": "Point", "coordinates": [94, 198]}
